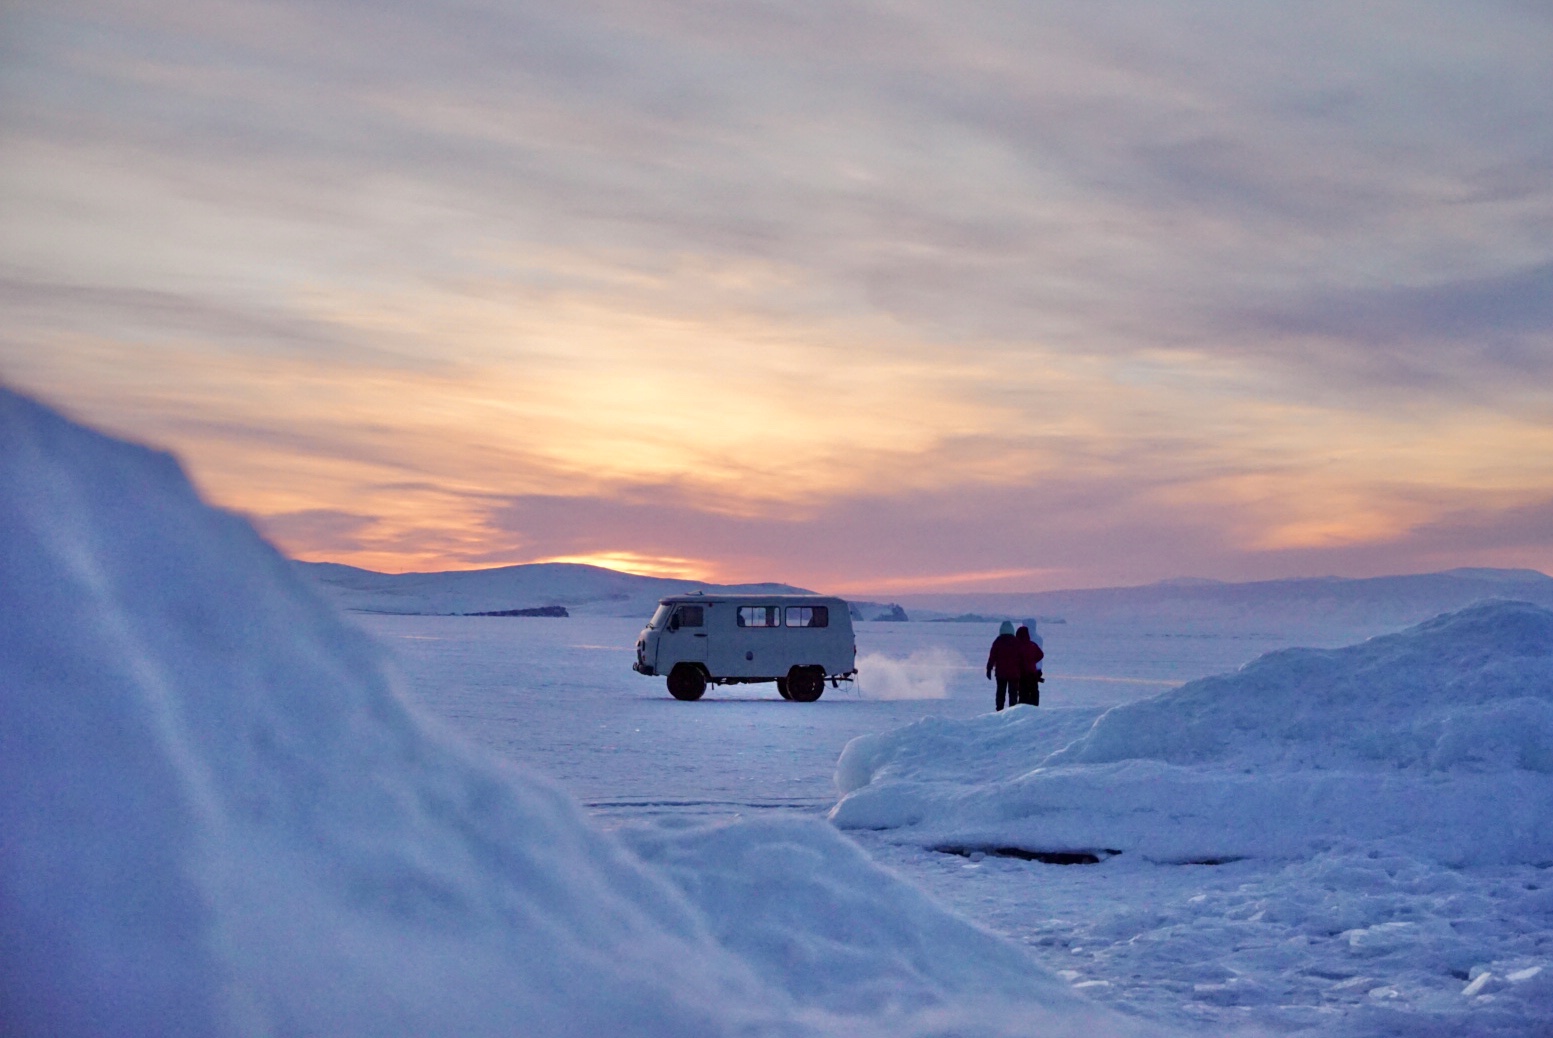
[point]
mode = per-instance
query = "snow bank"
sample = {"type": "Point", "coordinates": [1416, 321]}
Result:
{"type": "Point", "coordinates": [1438, 738]}
{"type": "Point", "coordinates": [846, 937]}
{"type": "Point", "coordinates": [219, 817]}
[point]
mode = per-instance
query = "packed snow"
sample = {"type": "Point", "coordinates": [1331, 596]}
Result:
{"type": "Point", "coordinates": [1438, 739]}
{"type": "Point", "coordinates": [221, 817]}
{"type": "Point", "coordinates": [1359, 839]}
{"type": "Point", "coordinates": [1306, 946]}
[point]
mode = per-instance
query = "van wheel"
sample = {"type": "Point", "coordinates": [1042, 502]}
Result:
{"type": "Point", "coordinates": [782, 688]}
{"type": "Point", "coordinates": [805, 684]}
{"type": "Point", "coordinates": [686, 682]}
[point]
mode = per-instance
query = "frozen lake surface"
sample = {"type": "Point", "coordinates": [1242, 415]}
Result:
{"type": "Point", "coordinates": [1352, 943]}
{"type": "Point", "coordinates": [559, 695]}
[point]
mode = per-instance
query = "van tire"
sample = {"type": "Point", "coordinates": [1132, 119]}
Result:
{"type": "Point", "coordinates": [805, 684]}
{"type": "Point", "coordinates": [686, 682]}
{"type": "Point", "coordinates": [781, 684]}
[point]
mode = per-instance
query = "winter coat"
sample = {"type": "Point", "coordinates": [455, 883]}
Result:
{"type": "Point", "coordinates": [1030, 654]}
{"type": "Point", "coordinates": [1005, 658]}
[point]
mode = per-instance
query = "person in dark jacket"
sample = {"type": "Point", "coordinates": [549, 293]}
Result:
{"type": "Point", "coordinates": [1005, 660]}
{"type": "Point", "coordinates": [1030, 656]}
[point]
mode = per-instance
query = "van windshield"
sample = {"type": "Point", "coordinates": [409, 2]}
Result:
{"type": "Point", "coordinates": [659, 617]}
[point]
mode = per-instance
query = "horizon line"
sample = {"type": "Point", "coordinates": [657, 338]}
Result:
{"type": "Point", "coordinates": [884, 596]}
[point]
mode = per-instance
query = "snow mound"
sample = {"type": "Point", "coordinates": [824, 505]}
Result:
{"type": "Point", "coordinates": [1439, 737]}
{"type": "Point", "coordinates": [846, 936]}
{"type": "Point", "coordinates": [220, 817]}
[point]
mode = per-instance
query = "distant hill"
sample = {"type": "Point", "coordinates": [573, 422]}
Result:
{"type": "Point", "coordinates": [1306, 608]}
{"type": "Point", "coordinates": [581, 590]}
{"type": "Point", "coordinates": [1310, 611]}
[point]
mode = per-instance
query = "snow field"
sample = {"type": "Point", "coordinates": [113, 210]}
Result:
{"type": "Point", "coordinates": [1438, 738]}
{"type": "Point", "coordinates": [1349, 944]}
{"type": "Point", "coordinates": [1372, 827]}
{"type": "Point", "coordinates": [221, 817]}
{"type": "Point", "coordinates": [1260, 943]}
{"type": "Point", "coordinates": [843, 935]}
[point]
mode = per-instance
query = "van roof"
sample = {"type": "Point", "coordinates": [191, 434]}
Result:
{"type": "Point", "coordinates": [754, 598]}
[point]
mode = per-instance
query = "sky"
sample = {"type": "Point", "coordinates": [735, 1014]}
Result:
{"type": "Point", "coordinates": [865, 297]}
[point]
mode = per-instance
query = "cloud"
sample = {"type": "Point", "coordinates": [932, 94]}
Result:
{"type": "Point", "coordinates": [1117, 289]}
{"type": "Point", "coordinates": [1520, 527]}
{"type": "Point", "coordinates": [1053, 533]}
{"type": "Point", "coordinates": [325, 531]}
{"type": "Point", "coordinates": [1479, 332]}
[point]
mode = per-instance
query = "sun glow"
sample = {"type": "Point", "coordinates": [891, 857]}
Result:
{"type": "Point", "coordinates": [643, 565]}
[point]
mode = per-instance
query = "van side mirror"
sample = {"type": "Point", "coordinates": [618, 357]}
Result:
{"type": "Point", "coordinates": [674, 622]}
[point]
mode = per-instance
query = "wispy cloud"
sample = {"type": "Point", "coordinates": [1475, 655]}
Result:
{"type": "Point", "coordinates": [1478, 337]}
{"type": "Point", "coordinates": [830, 292]}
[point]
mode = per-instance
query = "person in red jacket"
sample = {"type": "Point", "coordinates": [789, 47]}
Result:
{"type": "Point", "coordinates": [1030, 657]}
{"type": "Point", "coordinates": [1005, 659]}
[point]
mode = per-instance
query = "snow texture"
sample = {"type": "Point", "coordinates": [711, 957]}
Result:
{"type": "Point", "coordinates": [220, 817]}
{"type": "Point", "coordinates": [1282, 946]}
{"type": "Point", "coordinates": [1438, 739]}
{"type": "Point", "coordinates": [1347, 842]}
{"type": "Point", "coordinates": [844, 935]}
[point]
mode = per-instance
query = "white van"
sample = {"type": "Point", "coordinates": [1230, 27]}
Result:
{"type": "Point", "coordinates": [798, 641]}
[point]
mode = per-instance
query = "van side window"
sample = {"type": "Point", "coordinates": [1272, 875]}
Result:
{"type": "Point", "coordinates": [808, 616]}
{"type": "Point", "coordinates": [759, 616]}
{"type": "Point", "coordinates": [691, 616]}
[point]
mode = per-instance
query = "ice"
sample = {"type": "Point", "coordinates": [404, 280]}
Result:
{"type": "Point", "coordinates": [838, 931]}
{"type": "Point", "coordinates": [1438, 739]}
{"type": "Point", "coordinates": [221, 817]}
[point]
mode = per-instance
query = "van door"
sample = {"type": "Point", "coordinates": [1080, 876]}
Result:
{"type": "Point", "coordinates": [684, 639]}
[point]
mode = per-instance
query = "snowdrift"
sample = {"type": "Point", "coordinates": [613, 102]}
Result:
{"type": "Point", "coordinates": [826, 922]}
{"type": "Point", "coordinates": [220, 817]}
{"type": "Point", "coordinates": [1437, 740]}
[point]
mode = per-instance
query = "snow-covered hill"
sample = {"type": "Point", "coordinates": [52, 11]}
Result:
{"type": "Point", "coordinates": [220, 817]}
{"type": "Point", "coordinates": [584, 590]}
{"type": "Point", "coordinates": [1325, 610]}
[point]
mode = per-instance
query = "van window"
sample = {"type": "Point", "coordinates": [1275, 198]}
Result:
{"type": "Point", "coordinates": [808, 616]}
{"type": "Point", "coordinates": [660, 617]}
{"type": "Point", "coordinates": [690, 616]}
{"type": "Point", "coordinates": [759, 616]}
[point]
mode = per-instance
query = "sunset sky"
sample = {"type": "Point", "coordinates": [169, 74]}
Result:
{"type": "Point", "coordinates": [866, 297]}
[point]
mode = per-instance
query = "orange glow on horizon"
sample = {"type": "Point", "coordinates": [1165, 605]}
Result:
{"type": "Point", "coordinates": [642, 565]}
{"type": "Point", "coordinates": [947, 582]}
{"type": "Point", "coordinates": [398, 462]}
